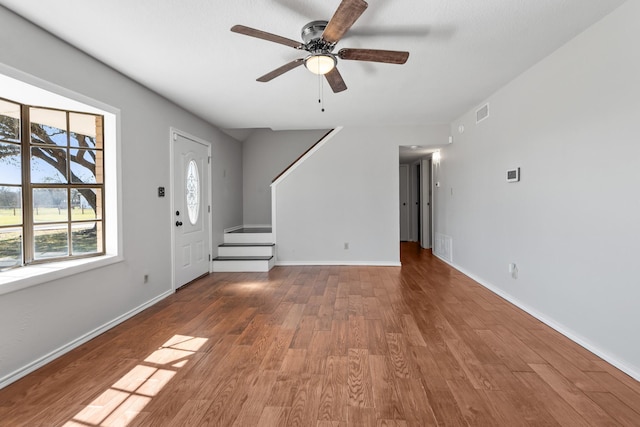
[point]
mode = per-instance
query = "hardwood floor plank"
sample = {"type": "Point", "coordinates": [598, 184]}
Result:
{"type": "Point", "coordinates": [336, 346]}
{"type": "Point", "coordinates": [376, 338]}
{"type": "Point", "coordinates": [385, 395]}
{"type": "Point", "coordinates": [618, 389]}
{"type": "Point", "coordinates": [277, 350]}
{"type": "Point", "coordinates": [359, 379]}
{"type": "Point", "coordinates": [573, 396]}
{"type": "Point", "coordinates": [339, 337]}
{"type": "Point", "coordinates": [293, 317]}
{"type": "Point", "coordinates": [304, 332]}
{"type": "Point", "coordinates": [256, 399]}
{"type": "Point", "coordinates": [417, 409]}
{"type": "Point", "coordinates": [333, 396]}
{"type": "Point", "coordinates": [517, 399]}
{"type": "Point", "coordinates": [623, 414]}
{"type": "Point", "coordinates": [545, 397]}
{"type": "Point", "coordinates": [358, 335]}
{"type": "Point", "coordinates": [304, 409]}
{"type": "Point", "coordinates": [273, 416]}
{"type": "Point", "coordinates": [472, 403]}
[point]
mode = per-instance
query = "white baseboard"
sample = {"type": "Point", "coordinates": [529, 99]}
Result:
{"type": "Point", "coordinates": [345, 263]}
{"type": "Point", "coordinates": [27, 369]}
{"type": "Point", "coordinates": [567, 332]}
{"type": "Point", "coordinates": [230, 229]}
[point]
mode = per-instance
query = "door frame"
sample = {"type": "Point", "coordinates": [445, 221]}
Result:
{"type": "Point", "coordinates": [404, 171]}
{"type": "Point", "coordinates": [426, 202]}
{"type": "Point", "coordinates": [173, 135]}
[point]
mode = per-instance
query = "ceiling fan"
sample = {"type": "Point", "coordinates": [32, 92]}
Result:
{"type": "Point", "coordinates": [320, 38]}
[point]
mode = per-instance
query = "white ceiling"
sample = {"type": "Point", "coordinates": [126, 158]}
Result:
{"type": "Point", "coordinates": [461, 51]}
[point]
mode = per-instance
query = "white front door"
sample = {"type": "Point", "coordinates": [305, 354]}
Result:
{"type": "Point", "coordinates": [190, 209]}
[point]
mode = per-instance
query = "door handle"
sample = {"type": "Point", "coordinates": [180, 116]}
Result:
{"type": "Point", "coordinates": [178, 223]}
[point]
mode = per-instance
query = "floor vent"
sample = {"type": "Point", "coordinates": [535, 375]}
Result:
{"type": "Point", "coordinates": [482, 113]}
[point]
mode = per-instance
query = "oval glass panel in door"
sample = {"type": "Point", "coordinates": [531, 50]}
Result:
{"type": "Point", "coordinates": [193, 192]}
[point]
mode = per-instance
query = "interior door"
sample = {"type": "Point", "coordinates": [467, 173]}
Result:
{"type": "Point", "coordinates": [190, 209]}
{"type": "Point", "coordinates": [404, 202]}
{"type": "Point", "coordinates": [427, 203]}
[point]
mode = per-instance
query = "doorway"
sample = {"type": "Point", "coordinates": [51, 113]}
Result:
{"type": "Point", "coordinates": [191, 216]}
{"type": "Point", "coordinates": [416, 200]}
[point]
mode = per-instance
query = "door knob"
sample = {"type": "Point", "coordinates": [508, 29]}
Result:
{"type": "Point", "coordinates": [178, 223]}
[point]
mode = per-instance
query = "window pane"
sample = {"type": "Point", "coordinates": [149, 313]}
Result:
{"type": "Point", "coordinates": [10, 164]}
{"type": "Point", "coordinates": [51, 241]}
{"type": "Point", "coordinates": [10, 247]}
{"type": "Point", "coordinates": [48, 165]}
{"type": "Point", "coordinates": [10, 206]}
{"type": "Point", "coordinates": [85, 130]}
{"type": "Point", "coordinates": [50, 205]}
{"type": "Point", "coordinates": [193, 192]}
{"type": "Point", "coordinates": [86, 238]}
{"type": "Point", "coordinates": [83, 166]}
{"type": "Point", "coordinates": [9, 121]}
{"type": "Point", "coordinates": [48, 126]}
{"type": "Point", "coordinates": [86, 204]}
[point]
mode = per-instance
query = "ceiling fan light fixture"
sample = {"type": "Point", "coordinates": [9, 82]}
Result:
{"type": "Point", "coordinates": [320, 63]}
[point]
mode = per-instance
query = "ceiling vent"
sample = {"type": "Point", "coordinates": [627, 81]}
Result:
{"type": "Point", "coordinates": [482, 113]}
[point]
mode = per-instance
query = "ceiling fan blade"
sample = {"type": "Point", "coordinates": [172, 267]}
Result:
{"type": "Point", "coordinates": [281, 70]}
{"type": "Point", "coordinates": [252, 32]}
{"type": "Point", "coordinates": [345, 16]}
{"type": "Point", "coordinates": [374, 55]}
{"type": "Point", "coordinates": [335, 81]}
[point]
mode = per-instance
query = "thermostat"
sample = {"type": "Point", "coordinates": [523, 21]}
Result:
{"type": "Point", "coordinates": [513, 175]}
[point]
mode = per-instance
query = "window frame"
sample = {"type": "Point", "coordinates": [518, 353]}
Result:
{"type": "Point", "coordinates": [29, 221]}
{"type": "Point", "coordinates": [31, 90]}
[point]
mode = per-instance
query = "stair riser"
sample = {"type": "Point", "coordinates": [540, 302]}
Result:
{"type": "Point", "coordinates": [245, 251]}
{"type": "Point", "coordinates": [248, 238]}
{"type": "Point", "coordinates": [243, 266]}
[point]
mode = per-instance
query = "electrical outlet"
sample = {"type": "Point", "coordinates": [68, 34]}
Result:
{"type": "Point", "coordinates": [513, 269]}
{"type": "Point", "coordinates": [146, 278]}
{"type": "Point", "coordinates": [346, 245]}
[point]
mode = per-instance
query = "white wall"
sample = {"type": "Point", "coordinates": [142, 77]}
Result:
{"type": "Point", "coordinates": [347, 192]}
{"type": "Point", "coordinates": [43, 319]}
{"type": "Point", "coordinates": [265, 154]}
{"type": "Point", "coordinates": [572, 223]}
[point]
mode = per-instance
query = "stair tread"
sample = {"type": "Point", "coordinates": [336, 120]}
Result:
{"type": "Point", "coordinates": [242, 258]}
{"type": "Point", "coordinates": [228, 245]}
{"type": "Point", "coordinates": [251, 230]}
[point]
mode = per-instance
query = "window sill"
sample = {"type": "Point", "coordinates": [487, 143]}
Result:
{"type": "Point", "coordinates": [33, 275]}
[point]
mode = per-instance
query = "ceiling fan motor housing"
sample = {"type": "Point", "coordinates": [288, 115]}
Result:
{"type": "Point", "coordinates": [313, 31]}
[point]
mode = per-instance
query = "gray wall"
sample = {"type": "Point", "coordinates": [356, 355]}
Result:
{"type": "Point", "coordinates": [572, 223]}
{"type": "Point", "coordinates": [347, 192]}
{"type": "Point", "coordinates": [43, 319]}
{"type": "Point", "coordinates": [265, 154]}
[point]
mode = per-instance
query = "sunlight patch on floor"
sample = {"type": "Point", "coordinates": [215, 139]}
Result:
{"type": "Point", "coordinates": [128, 396]}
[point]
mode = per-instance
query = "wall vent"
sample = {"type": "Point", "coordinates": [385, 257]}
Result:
{"type": "Point", "coordinates": [444, 247]}
{"type": "Point", "coordinates": [482, 113]}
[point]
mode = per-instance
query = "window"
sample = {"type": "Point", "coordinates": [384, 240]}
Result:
{"type": "Point", "coordinates": [51, 184]}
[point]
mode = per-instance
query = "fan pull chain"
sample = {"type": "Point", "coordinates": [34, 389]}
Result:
{"type": "Point", "coordinates": [320, 92]}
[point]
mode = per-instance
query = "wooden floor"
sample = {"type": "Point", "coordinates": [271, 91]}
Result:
{"type": "Point", "coordinates": [328, 346]}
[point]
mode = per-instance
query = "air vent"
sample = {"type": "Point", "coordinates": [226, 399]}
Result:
{"type": "Point", "coordinates": [482, 113]}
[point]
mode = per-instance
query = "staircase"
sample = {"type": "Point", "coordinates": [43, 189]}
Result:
{"type": "Point", "coordinates": [246, 250]}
